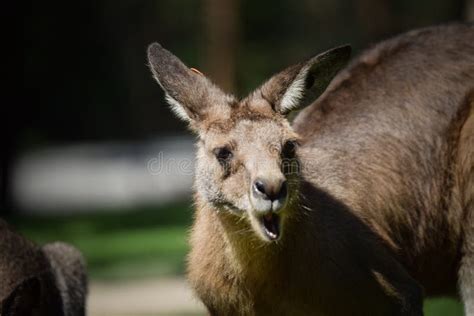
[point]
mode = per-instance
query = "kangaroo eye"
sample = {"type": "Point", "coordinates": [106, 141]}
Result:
{"type": "Point", "coordinates": [289, 149]}
{"type": "Point", "coordinates": [223, 154]}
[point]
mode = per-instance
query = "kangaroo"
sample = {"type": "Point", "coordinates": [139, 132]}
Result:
{"type": "Point", "coordinates": [364, 205]}
{"type": "Point", "coordinates": [49, 280]}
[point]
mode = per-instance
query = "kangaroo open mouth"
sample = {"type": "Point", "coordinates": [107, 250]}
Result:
{"type": "Point", "coordinates": [271, 226]}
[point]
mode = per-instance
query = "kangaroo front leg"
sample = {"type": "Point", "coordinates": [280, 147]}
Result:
{"type": "Point", "coordinates": [396, 282]}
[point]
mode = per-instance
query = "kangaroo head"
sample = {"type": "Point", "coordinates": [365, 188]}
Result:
{"type": "Point", "coordinates": [247, 161]}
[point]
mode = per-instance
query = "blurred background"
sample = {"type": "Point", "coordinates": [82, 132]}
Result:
{"type": "Point", "coordinates": [94, 157]}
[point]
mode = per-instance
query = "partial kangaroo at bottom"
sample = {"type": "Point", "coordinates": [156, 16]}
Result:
{"type": "Point", "coordinates": [363, 206]}
{"type": "Point", "coordinates": [40, 281]}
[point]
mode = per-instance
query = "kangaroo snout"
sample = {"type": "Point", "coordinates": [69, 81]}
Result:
{"type": "Point", "coordinates": [269, 194]}
{"type": "Point", "coordinates": [270, 190]}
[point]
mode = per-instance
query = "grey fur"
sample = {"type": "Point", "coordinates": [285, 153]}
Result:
{"type": "Point", "coordinates": [40, 281]}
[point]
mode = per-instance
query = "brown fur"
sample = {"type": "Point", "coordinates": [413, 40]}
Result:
{"type": "Point", "coordinates": [381, 212]}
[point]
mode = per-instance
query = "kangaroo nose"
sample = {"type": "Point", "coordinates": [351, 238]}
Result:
{"type": "Point", "coordinates": [270, 190]}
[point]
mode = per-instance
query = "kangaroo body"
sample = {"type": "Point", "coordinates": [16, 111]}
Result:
{"type": "Point", "coordinates": [381, 213]}
{"type": "Point", "coordinates": [400, 151]}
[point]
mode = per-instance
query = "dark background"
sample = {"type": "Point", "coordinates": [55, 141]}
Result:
{"type": "Point", "coordinates": [85, 74]}
{"type": "Point", "coordinates": [85, 65]}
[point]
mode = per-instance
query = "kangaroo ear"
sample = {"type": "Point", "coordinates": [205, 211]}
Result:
{"type": "Point", "coordinates": [190, 94]}
{"type": "Point", "coordinates": [299, 85]}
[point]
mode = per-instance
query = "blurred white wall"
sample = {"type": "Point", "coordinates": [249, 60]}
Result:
{"type": "Point", "coordinates": [104, 176]}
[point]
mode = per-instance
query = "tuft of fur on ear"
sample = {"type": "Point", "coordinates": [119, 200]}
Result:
{"type": "Point", "coordinates": [177, 108]}
{"type": "Point", "coordinates": [301, 84]}
{"type": "Point", "coordinates": [189, 93]}
{"type": "Point", "coordinates": [295, 92]}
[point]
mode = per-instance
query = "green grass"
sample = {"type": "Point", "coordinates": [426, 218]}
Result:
{"type": "Point", "coordinates": [150, 242]}
{"type": "Point", "coordinates": [132, 244]}
{"type": "Point", "coordinates": [443, 307]}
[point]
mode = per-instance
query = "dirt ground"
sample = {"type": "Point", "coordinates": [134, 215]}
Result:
{"type": "Point", "coordinates": [145, 297]}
